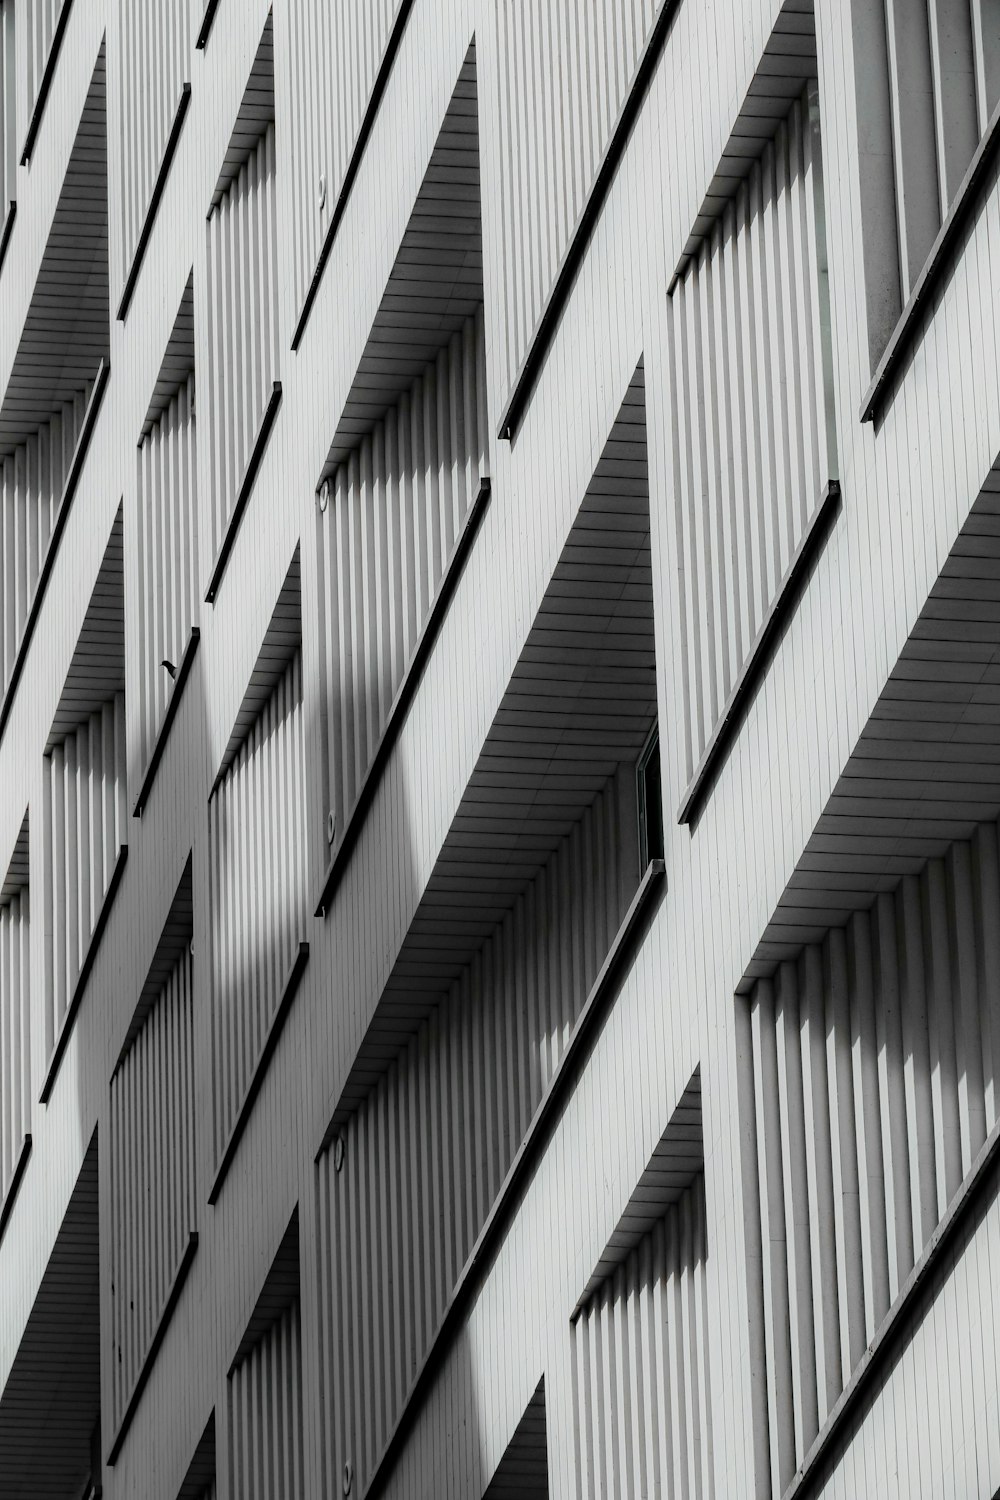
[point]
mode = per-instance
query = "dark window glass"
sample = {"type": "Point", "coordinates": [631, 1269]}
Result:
{"type": "Point", "coordinates": [650, 800]}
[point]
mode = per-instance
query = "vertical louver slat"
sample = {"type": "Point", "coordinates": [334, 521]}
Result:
{"type": "Point", "coordinates": [875, 1063]}
{"type": "Point", "coordinates": [564, 73]}
{"type": "Point", "coordinates": [640, 1366]}
{"type": "Point", "coordinates": [8, 107]}
{"type": "Point", "coordinates": [444, 1123]}
{"type": "Point", "coordinates": [83, 809]}
{"type": "Point", "coordinates": [396, 507]}
{"type": "Point", "coordinates": [334, 56]}
{"type": "Point", "coordinates": [168, 554]}
{"type": "Point", "coordinates": [152, 1167]}
{"type": "Point", "coordinates": [31, 488]}
{"type": "Point", "coordinates": [265, 1416]}
{"type": "Point", "coordinates": [259, 875]}
{"type": "Point", "coordinates": [243, 343]}
{"type": "Point", "coordinates": [15, 1034]}
{"type": "Point", "coordinates": [751, 398]}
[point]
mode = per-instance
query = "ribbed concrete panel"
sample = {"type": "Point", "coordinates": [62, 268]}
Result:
{"type": "Point", "coordinates": [523, 1472]}
{"type": "Point", "coordinates": [66, 332]}
{"type": "Point", "coordinates": [167, 545]}
{"type": "Point", "coordinates": [876, 1070]}
{"type": "Point", "coordinates": [753, 442]}
{"type": "Point", "coordinates": [923, 772]}
{"type": "Point", "coordinates": [265, 1415]}
{"type": "Point", "coordinates": [83, 793]}
{"type": "Point", "coordinates": [8, 107]}
{"type": "Point", "coordinates": [565, 72]}
{"type": "Point", "coordinates": [52, 1397]}
{"type": "Point", "coordinates": [15, 1032]}
{"type": "Point", "coordinates": [32, 482]}
{"type": "Point", "coordinates": [40, 19]}
{"type": "Point", "coordinates": [436, 283]}
{"type": "Point", "coordinates": [153, 1174]}
{"type": "Point", "coordinates": [257, 833]}
{"type": "Point", "coordinates": [242, 325]}
{"type": "Point", "coordinates": [641, 1381]}
{"type": "Point", "coordinates": [154, 51]}
{"type": "Point", "coordinates": [334, 58]}
{"type": "Point", "coordinates": [579, 704]}
{"type": "Point", "coordinates": [387, 528]}
{"type": "Point", "coordinates": [423, 1159]}
{"type": "Point", "coordinates": [677, 1159]}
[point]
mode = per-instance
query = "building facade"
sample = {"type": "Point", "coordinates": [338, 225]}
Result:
{"type": "Point", "coordinates": [499, 748]}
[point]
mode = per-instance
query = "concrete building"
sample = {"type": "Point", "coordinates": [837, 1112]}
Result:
{"type": "Point", "coordinates": [499, 749]}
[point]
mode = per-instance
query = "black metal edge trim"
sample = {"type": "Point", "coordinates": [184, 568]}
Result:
{"type": "Point", "coordinates": [904, 333]}
{"type": "Point", "coordinates": [72, 479]}
{"type": "Point", "coordinates": [159, 185]}
{"type": "Point", "coordinates": [46, 83]}
{"type": "Point", "coordinates": [892, 1325]}
{"type": "Point", "coordinates": [354, 165]}
{"type": "Point", "coordinates": [173, 703]}
{"type": "Point", "coordinates": [787, 597]}
{"type": "Point", "coordinates": [246, 487]}
{"type": "Point", "coordinates": [541, 340]}
{"type": "Point", "coordinates": [7, 228]}
{"type": "Point", "coordinates": [81, 984]}
{"type": "Point", "coordinates": [260, 1068]}
{"type": "Point", "coordinates": [206, 24]}
{"type": "Point", "coordinates": [528, 1154]}
{"type": "Point", "coordinates": [17, 1176]}
{"type": "Point", "coordinates": [404, 696]}
{"type": "Point", "coordinates": [146, 1368]}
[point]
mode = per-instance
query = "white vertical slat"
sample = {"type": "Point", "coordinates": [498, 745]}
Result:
{"type": "Point", "coordinates": [640, 1366]}
{"type": "Point", "coordinates": [243, 347]}
{"type": "Point", "coordinates": [396, 508]}
{"type": "Point", "coordinates": [31, 489]}
{"type": "Point", "coordinates": [265, 1416]}
{"type": "Point", "coordinates": [152, 1174]}
{"type": "Point", "coordinates": [334, 56]}
{"type": "Point", "coordinates": [751, 433]}
{"type": "Point", "coordinates": [428, 1150]}
{"type": "Point", "coordinates": [257, 836]}
{"type": "Point", "coordinates": [554, 137]}
{"type": "Point", "coordinates": [15, 1033]}
{"type": "Point", "coordinates": [83, 799]}
{"type": "Point", "coordinates": [883, 1043]}
{"type": "Point", "coordinates": [154, 52]}
{"type": "Point", "coordinates": [167, 529]}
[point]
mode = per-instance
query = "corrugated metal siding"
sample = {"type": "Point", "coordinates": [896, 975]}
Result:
{"type": "Point", "coordinates": [83, 809]}
{"type": "Point", "coordinates": [266, 1455]}
{"type": "Point", "coordinates": [15, 1033]}
{"type": "Point", "coordinates": [154, 52]}
{"type": "Point", "coordinates": [242, 306]}
{"type": "Point", "coordinates": [39, 18]}
{"type": "Point", "coordinates": [384, 542]}
{"type": "Point", "coordinates": [334, 56]}
{"type": "Point", "coordinates": [31, 489]}
{"type": "Point", "coordinates": [168, 555]}
{"type": "Point", "coordinates": [751, 398]}
{"type": "Point", "coordinates": [565, 71]}
{"type": "Point", "coordinates": [152, 1174]}
{"type": "Point", "coordinates": [257, 829]}
{"type": "Point", "coordinates": [428, 1150]}
{"type": "Point", "coordinates": [640, 1366]}
{"type": "Point", "coordinates": [876, 1062]}
{"type": "Point", "coordinates": [8, 107]}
